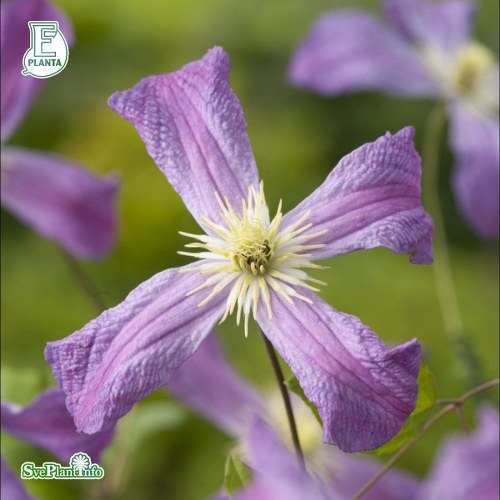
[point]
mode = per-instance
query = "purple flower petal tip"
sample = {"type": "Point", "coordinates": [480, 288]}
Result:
{"type": "Point", "coordinates": [364, 391]}
{"type": "Point", "coordinates": [61, 200]}
{"type": "Point", "coordinates": [372, 198]}
{"type": "Point", "coordinates": [193, 127]}
{"type": "Point", "coordinates": [45, 422]}
{"type": "Point", "coordinates": [129, 351]}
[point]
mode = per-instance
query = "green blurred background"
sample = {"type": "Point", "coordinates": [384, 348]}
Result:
{"type": "Point", "coordinates": [163, 450]}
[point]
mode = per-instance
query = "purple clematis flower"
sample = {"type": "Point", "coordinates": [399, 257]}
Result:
{"type": "Point", "coordinates": [466, 466]}
{"type": "Point", "coordinates": [208, 384]}
{"type": "Point", "coordinates": [45, 422]}
{"type": "Point", "coordinates": [250, 265]}
{"type": "Point", "coordinates": [424, 49]}
{"type": "Point", "coordinates": [57, 198]}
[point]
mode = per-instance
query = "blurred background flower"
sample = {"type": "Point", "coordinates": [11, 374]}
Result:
{"type": "Point", "coordinates": [171, 452]}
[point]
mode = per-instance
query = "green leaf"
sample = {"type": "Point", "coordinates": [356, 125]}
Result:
{"type": "Point", "coordinates": [236, 475]}
{"type": "Point", "coordinates": [425, 401]}
{"type": "Point", "coordinates": [294, 385]}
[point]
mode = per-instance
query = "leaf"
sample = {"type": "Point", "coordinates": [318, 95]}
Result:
{"type": "Point", "coordinates": [425, 401]}
{"type": "Point", "coordinates": [294, 385]}
{"type": "Point", "coordinates": [236, 475]}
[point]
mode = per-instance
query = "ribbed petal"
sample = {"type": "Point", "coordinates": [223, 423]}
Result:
{"type": "Point", "coordinates": [61, 200]}
{"type": "Point", "coordinates": [18, 91]}
{"type": "Point", "coordinates": [277, 475]}
{"type": "Point", "coordinates": [133, 349]}
{"type": "Point", "coordinates": [446, 23]}
{"type": "Point", "coordinates": [209, 384]}
{"type": "Point", "coordinates": [371, 199]}
{"type": "Point", "coordinates": [350, 51]}
{"type": "Point", "coordinates": [193, 127]}
{"type": "Point", "coordinates": [45, 422]}
{"type": "Point", "coordinates": [11, 486]}
{"type": "Point", "coordinates": [364, 391]}
{"type": "Point", "coordinates": [475, 141]}
{"type": "Point", "coordinates": [467, 466]}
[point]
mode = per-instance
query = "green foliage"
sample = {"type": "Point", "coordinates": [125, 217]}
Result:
{"type": "Point", "coordinates": [294, 385]}
{"type": "Point", "coordinates": [236, 475]}
{"type": "Point", "coordinates": [425, 401]}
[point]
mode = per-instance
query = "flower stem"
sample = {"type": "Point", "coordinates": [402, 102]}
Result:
{"type": "Point", "coordinates": [83, 281]}
{"type": "Point", "coordinates": [443, 276]}
{"type": "Point", "coordinates": [286, 398]}
{"type": "Point", "coordinates": [452, 406]}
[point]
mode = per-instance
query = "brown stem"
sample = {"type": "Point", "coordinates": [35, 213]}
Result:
{"type": "Point", "coordinates": [286, 398]}
{"type": "Point", "coordinates": [430, 423]}
{"type": "Point", "coordinates": [83, 281]}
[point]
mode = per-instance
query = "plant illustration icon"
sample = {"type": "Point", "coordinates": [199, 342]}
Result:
{"type": "Point", "coordinates": [80, 462]}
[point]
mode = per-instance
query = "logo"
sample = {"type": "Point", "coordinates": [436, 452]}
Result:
{"type": "Point", "coordinates": [80, 467]}
{"type": "Point", "coordinates": [48, 53]}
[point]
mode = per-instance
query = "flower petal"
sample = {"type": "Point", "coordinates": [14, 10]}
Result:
{"type": "Point", "coordinates": [278, 474]}
{"type": "Point", "coordinates": [447, 23]}
{"type": "Point", "coordinates": [475, 141]}
{"type": "Point", "coordinates": [133, 349]}
{"type": "Point", "coordinates": [364, 392]}
{"type": "Point", "coordinates": [18, 91]}
{"type": "Point", "coordinates": [348, 473]}
{"type": "Point", "coordinates": [467, 466]}
{"type": "Point", "coordinates": [209, 384]}
{"type": "Point", "coordinates": [45, 422]}
{"type": "Point", "coordinates": [11, 487]}
{"type": "Point", "coordinates": [351, 51]}
{"type": "Point", "coordinates": [193, 127]}
{"type": "Point", "coordinates": [61, 200]}
{"type": "Point", "coordinates": [370, 199]}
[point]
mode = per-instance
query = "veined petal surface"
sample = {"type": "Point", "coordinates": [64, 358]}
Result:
{"type": "Point", "coordinates": [445, 23]}
{"type": "Point", "coordinates": [364, 391]}
{"type": "Point", "coordinates": [370, 199]}
{"type": "Point", "coordinates": [193, 127]}
{"type": "Point", "coordinates": [349, 51]}
{"type": "Point", "coordinates": [18, 91]}
{"type": "Point", "coordinates": [210, 385]}
{"type": "Point", "coordinates": [475, 140]}
{"type": "Point", "coordinates": [133, 349]}
{"type": "Point", "coordinates": [45, 422]}
{"type": "Point", "coordinates": [61, 200]}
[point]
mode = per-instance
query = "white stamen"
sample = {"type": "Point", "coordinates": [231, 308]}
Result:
{"type": "Point", "coordinates": [253, 256]}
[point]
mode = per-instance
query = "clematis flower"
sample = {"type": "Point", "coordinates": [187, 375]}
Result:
{"type": "Point", "coordinates": [250, 265]}
{"type": "Point", "coordinates": [466, 466]}
{"type": "Point", "coordinates": [422, 49]}
{"type": "Point", "coordinates": [209, 385]}
{"type": "Point", "coordinates": [57, 198]}
{"type": "Point", "coordinates": [45, 422]}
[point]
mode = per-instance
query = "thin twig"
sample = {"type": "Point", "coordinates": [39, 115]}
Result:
{"type": "Point", "coordinates": [286, 398]}
{"type": "Point", "coordinates": [430, 423]}
{"type": "Point", "coordinates": [83, 281]}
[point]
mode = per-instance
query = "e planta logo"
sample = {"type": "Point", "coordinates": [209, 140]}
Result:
{"type": "Point", "coordinates": [48, 53]}
{"type": "Point", "coordinates": [80, 467]}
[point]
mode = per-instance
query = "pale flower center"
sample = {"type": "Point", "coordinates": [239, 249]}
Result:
{"type": "Point", "coordinates": [254, 256]}
{"type": "Point", "coordinates": [467, 73]}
